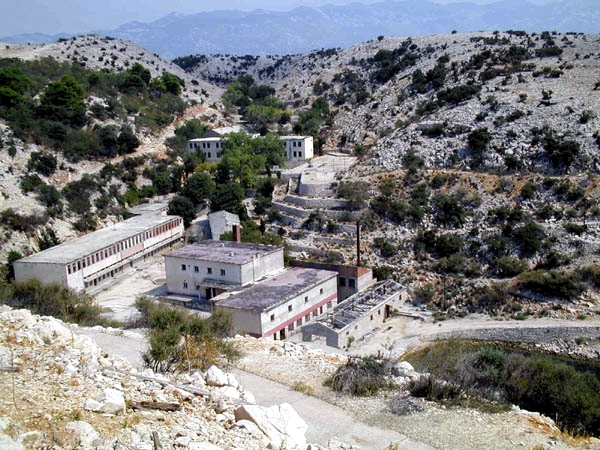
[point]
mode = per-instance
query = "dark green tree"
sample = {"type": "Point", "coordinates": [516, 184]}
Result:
{"type": "Point", "coordinates": [183, 207]}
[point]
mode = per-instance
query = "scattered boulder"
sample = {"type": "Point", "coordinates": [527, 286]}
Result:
{"type": "Point", "coordinates": [85, 433]}
{"type": "Point", "coordinates": [216, 377]}
{"type": "Point", "coordinates": [110, 401]}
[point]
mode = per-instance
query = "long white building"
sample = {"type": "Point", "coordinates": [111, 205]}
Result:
{"type": "Point", "coordinates": [297, 148]}
{"type": "Point", "coordinates": [96, 259]}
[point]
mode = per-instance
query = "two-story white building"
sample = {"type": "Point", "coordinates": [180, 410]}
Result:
{"type": "Point", "coordinates": [297, 148]}
{"type": "Point", "coordinates": [208, 268]}
{"type": "Point", "coordinates": [250, 282]}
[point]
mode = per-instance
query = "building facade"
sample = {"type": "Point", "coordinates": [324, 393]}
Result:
{"type": "Point", "coordinates": [297, 148]}
{"type": "Point", "coordinates": [208, 268]}
{"type": "Point", "coordinates": [93, 261]}
{"type": "Point", "coordinates": [282, 304]}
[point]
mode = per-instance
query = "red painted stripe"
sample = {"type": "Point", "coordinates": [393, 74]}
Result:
{"type": "Point", "coordinates": [302, 314]}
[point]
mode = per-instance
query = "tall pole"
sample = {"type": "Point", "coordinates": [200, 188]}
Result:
{"type": "Point", "coordinates": [358, 243]}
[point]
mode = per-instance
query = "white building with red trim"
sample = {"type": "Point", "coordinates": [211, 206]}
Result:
{"type": "Point", "coordinates": [250, 282]}
{"type": "Point", "coordinates": [97, 259]}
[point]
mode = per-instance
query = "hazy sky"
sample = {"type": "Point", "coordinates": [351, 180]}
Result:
{"type": "Point", "coordinates": [78, 16]}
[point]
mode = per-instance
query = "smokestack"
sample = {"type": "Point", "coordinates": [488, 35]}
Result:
{"type": "Point", "coordinates": [237, 234]}
{"type": "Point", "coordinates": [358, 243]}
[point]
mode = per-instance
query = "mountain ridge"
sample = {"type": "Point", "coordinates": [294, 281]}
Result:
{"type": "Point", "coordinates": [261, 32]}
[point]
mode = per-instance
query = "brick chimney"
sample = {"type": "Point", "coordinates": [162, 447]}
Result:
{"type": "Point", "coordinates": [237, 233]}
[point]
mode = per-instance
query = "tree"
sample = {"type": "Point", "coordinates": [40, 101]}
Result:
{"type": "Point", "coordinates": [183, 207]}
{"type": "Point", "coordinates": [228, 197]}
{"type": "Point", "coordinates": [140, 71]}
{"type": "Point", "coordinates": [271, 149]}
{"type": "Point", "coordinates": [47, 238]}
{"type": "Point", "coordinates": [127, 140]}
{"type": "Point", "coordinates": [63, 101]}
{"type": "Point", "coordinates": [479, 140]}
{"type": "Point", "coordinates": [42, 162]}
{"type": "Point", "coordinates": [199, 187]}
{"type": "Point", "coordinates": [172, 83]}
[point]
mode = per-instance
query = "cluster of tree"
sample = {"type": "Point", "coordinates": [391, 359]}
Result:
{"type": "Point", "coordinates": [257, 104]}
{"type": "Point", "coordinates": [61, 117]}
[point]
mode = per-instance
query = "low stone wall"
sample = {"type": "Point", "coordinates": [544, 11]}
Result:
{"type": "Point", "coordinates": [317, 203]}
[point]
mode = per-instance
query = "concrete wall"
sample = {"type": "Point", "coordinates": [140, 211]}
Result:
{"type": "Point", "coordinates": [262, 266]}
{"type": "Point", "coordinates": [305, 308]}
{"type": "Point", "coordinates": [244, 321]}
{"type": "Point", "coordinates": [317, 203]}
{"type": "Point", "coordinates": [176, 276]}
{"type": "Point", "coordinates": [45, 272]}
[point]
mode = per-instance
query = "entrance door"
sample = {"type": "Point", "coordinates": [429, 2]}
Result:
{"type": "Point", "coordinates": [282, 334]}
{"type": "Point", "coordinates": [388, 312]}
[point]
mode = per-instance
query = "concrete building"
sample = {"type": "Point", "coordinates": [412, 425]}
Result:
{"type": "Point", "coordinates": [358, 315]}
{"type": "Point", "coordinates": [94, 261]}
{"type": "Point", "coordinates": [279, 305]}
{"type": "Point", "coordinates": [208, 268]}
{"type": "Point", "coordinates": [297, 148]}
{"type": "Point", "coordinates": [351, 279]}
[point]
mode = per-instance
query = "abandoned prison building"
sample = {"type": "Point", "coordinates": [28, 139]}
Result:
{"type": "Point", "coordinates": [358, 315]}
{"type": "Point", "coordinates": [264, 298]}
{"type": "Point", "coordinates": [100, 258]}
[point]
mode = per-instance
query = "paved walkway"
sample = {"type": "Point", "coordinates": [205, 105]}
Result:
{"type": "Point", "coordinates": [325, 421]}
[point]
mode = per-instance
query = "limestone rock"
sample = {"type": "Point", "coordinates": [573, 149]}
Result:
{"type": "Point", "coordinates": [110, 401]}
{"type": "Point", "coordinates": [281, 424]}
{"type": "Point", "coordinates": [216, 377]}
{"type": "Point", "coordinates": [86, 434]}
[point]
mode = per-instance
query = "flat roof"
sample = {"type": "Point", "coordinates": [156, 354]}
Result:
{"type": "Point", "coordinates": [206, 139]}
{"type": "Point", "coordinates": [223, 251]}
{"type": "Point", "coordinates": [90, 243]}
{"type": "Point", "coordinates": [149, 208]}
{"type": "Point", "coordinates": [276, 290]}
{"type": "Point", "coordinates": [294, 137]}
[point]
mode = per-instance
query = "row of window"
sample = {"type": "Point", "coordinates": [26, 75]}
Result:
{"type": "Point", "coordinates": [296, 143]}
{"type": "Point", "coordinates": [209, 154]}
{"type": "Point", "coordinates": [297, 154]}
{"type": "Point", "coordinates": [209, 270]}
{"type": "Point", "coordinates": [291, 308]}
{"type": "Point", "coordinates": [123, 245]}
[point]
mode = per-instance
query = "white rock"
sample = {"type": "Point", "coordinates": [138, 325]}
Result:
{"type": "Point", "coordinates": [110, 401]}
{"type": "Point", "coordinates": [248, 397]}
{"type": "Point", "coordinates": [404, 369]}
{"type": "Point", "coordinates": [6, 443]}
{"type": "Point", "coordinates": [281, 424]}
{"type": "Point", "coordinates": [216, 377]}
{"type": "Point", "coordinates": [224, 391]}
{"type": "Point", "coordinates": [232, 380]}
{"type": "Point", "coordinates": [84, 431]}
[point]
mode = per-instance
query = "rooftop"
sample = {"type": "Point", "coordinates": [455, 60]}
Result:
{"type": "Point", "coordinates": [223, 251]}
{"type": "Point", "coordinates": [98, 240]}
{"type": "Point", "coordinates": [276, 290]}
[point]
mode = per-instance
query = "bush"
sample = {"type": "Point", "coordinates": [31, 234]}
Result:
{"type": "Point", "coordinates": [179, 340]}
{"type": "Point", "coordinates": [52, 300]}
{"type": "Point", "coordinates": [364, 376]}
{"type": "Point", "coordinates": [509, 266]}
{"type": "Point", "coordinates": [552, 284]}
{"type": "Point", "coordinates": [42, 162]}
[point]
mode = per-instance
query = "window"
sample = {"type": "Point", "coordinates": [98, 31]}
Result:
{"type": "Point", "coordinates": [306, 299]}
{"type": "Point", "coordinates": [352, 283]}
{"type": "Point", "coordinates": [300, 154]}
{"type": "Point", "coordinates": [197, 287]}
{"type": "Point", "coordinates": [209, 270]}
{"type": "Point", "coordinates": [321, 291]}
{"type": "Point", "coordinates": [69, 269]}
{"type": "Point", "coordinates": [299, 322]}
{"type": "Point", "coordinates": [272, 317]}
{"type": "Point", "coordinates": [342, 282]}
{"type": "Point", "coordinates": [185, 285]}
{"type": "Point", "coordinates": [222, 272]}
{"type": "Point", "coordinates": [183, 267]}
{"type": "Point", "coordinates": [289, 308]}
{"type": "Point", "coordinates": [196, 269]}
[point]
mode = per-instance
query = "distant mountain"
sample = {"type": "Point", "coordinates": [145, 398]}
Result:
{"type": "Point", "coordinates": [262, 32]}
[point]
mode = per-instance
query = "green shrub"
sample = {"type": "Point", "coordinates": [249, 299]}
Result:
{"type": "Point", "coordinates": [42, 162]}
{"type": "Point", "coordinates": [575, 228]}
{"type": "Point", "coordinates": [552, 284]}
{"type": "Point", "coordinates": [508, 266]}
{"type": "Point", "coordinates": [364, 376]}
{"type": "Point", "coordinates": [52, 300]}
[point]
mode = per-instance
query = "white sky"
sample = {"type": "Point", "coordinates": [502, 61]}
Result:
{"type": "Point", "coordinates": [79, 16]}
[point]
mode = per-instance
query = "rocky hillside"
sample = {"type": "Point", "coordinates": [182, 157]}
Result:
{"type": "Point", "coordinates": [60, 390]}
{"type": "Point", "coordinates": [37, 195]}
{"type": "Point", "coordinates": [487, 140]}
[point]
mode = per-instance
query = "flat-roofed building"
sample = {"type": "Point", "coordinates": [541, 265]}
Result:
{"type": "Point", "coordinates": [282, 303]}
{"type": "Point", "coordinates": [208, 268]}
{"type": "Point", "coordinates": [298, 148]}
{"type": "Point", "coordinates": [211, 145]}
{"type": "Point", "coordinates": [93, 261]}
